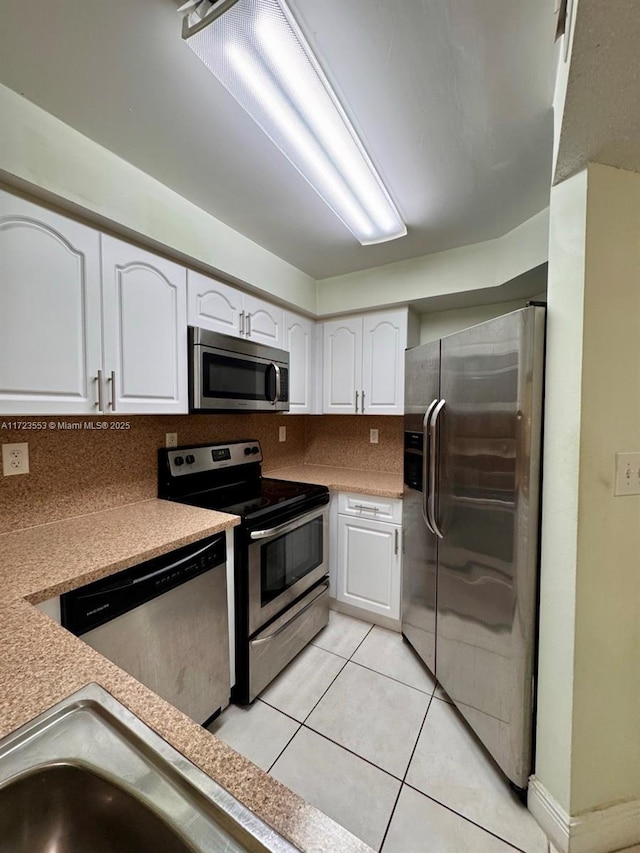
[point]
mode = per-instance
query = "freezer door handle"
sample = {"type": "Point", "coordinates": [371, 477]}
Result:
{"type": "Point", "coordinates": [425, 464]}
{"type": "Point", "coordinates": [433, 466]}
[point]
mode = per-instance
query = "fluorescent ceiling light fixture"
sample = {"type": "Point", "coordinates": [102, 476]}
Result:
{"type": "Point", "coordinates": [259, 54]}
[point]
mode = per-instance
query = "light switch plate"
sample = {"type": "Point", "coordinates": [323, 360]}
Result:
{"type": "Point", "coordinates": [373, 436]}
{"type": "Point", "coordinates": [282, 433]}
{"type": "Point", "coordinates": [627, 474]}
{"type": "Point", "coordinates": [15, 459]}
{"type": "Point", "coordinates": [171, 439]}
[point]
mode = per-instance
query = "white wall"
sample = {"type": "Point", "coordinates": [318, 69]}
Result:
{"type": "Point", "coordinates": [467, 268]}
{"type": "Point", "coordinates": [50, 156]}
{"type": "Point", "coordinates": [565, 290]}
{"type": "Point", "coordinates": [437, 324]}
{"type": "Point", "coordinates": [589, 676]}
{"type": "Point", "coordinates": [606, 717]}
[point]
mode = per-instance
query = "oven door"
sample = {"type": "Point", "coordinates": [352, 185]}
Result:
{"type": "Point", "coordinates": [284, 562]}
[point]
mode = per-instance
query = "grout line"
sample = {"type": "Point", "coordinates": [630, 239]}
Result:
{"type": "Point", "coordinates": [403, 782]}
{"type": "Point", "coordinates": [273, 708]}
{"type": "Point", "coordinates": [362, 641]}
{"type": "Point", "coordinates": [279, 755]}
{"type": "Point", "coordinates": [328, 688]}
{"type": "Point", "coordinates": [391, 678]}
{"type": "Point", "coordinates": [351, 752]}
{"type": "Point", "coordinates": [468, 820]}
{"type": "Point", "coordinates": [346, 661]}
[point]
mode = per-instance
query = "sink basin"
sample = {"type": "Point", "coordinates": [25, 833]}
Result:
{"type": "Point", "coordinates": [81, 811]}
{"type": "Point", "coordinates": [88, 775]}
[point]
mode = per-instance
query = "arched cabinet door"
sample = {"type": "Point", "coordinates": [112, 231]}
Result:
{"type": "Point", "coordinates": [145, 331]}
{"type": "Point", "coordinates": [383, 347]}
{"type": "Point", "coordinates": [50, 350]}
{"type": "Point", "coordinates": [299, 341]}
{"type": "Point", "coordinates": [342, 366]}
{"type": "Point", "coordinates": [214, 305]}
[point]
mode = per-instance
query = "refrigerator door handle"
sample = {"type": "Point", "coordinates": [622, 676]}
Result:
{"type": "Point", "coordinates": [425, 464]}
{"type": "Point", "coordinates": [433, 484]}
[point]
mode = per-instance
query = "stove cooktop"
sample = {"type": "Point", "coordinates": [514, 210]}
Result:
{"type": "Point", "coordinates": [228, 478]}
{"type": "Point", "coordinates": [253, 500]}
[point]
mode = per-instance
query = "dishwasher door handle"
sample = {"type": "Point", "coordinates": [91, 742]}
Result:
{"type": "Point", "coordinates": [116, 587]}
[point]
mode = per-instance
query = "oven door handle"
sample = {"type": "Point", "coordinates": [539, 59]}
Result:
{"type": "Point", "coordinates": [325, 587]}
{"type": "Point", "coordinates": [287, 527]}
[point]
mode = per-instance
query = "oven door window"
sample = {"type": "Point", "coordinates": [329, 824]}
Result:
{"type": "Point", "coordinates": [287, 559]}
{"type": "Point", "coordinates": [227, 378]}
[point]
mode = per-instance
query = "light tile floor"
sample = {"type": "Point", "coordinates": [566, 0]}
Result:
{"type": "Point", "coordinates": [358, 727]}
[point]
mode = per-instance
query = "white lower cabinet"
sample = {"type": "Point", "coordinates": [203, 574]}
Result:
{"type": "Point", "coordinates": [369, 561]}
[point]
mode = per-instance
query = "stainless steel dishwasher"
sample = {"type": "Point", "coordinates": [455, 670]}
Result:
{"type": "Point", "coordinates": [165, 622]}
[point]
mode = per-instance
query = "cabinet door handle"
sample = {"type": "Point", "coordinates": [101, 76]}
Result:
{"type": "Point", "coordinates": [100, 403]}
{"type": "Point", "coordinates": [112, 380]}
{"type": "Point", "coordinates": [362, 408]}
{"type": "Point", "coordinates": [356, 402]}
{"type": "Point", "coordinates": [242, 322]}
{"type": "Point", "coordinates": [397, 542]}
{"type": "Point", "coordinates": [366, 508]}
{"type": "Point", "coordinates": [248, 325]}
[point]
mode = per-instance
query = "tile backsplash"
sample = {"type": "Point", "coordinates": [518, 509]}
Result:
{"type": "Point", "coordinates": [76, 470]}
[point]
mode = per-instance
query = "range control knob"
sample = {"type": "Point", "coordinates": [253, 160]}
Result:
{"type": "Point", "coordinates": [255, 450]}
{"type": "Point", "coordinates": [248, 451]}
{"type": "Point", "coordinates": [178, 461]}
{"type": "Point", "coordinates": [190, 459]}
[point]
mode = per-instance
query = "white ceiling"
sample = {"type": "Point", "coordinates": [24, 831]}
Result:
{"type": "Point", "coordinates": [452, 99]}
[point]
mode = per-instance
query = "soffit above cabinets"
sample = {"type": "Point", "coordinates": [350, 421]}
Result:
{"type": "Point", "coordinates": [452, 100]}
{"type": "Point", "coordinates": [601, 119]}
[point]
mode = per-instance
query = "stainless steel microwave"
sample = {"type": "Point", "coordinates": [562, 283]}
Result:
{"type": "Point", "coordinates": [229, 374]}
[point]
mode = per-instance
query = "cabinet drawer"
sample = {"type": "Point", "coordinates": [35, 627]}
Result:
{"type": "Point", "coordinates": [369, 506]}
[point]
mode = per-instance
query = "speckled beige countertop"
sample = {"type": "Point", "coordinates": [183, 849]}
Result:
{"type": "Point", "coordinates": [379, 483]}
{"type": "Point", "coordinates": [41, 663]}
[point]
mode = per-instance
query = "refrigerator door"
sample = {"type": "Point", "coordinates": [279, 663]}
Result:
{"type": "Point", "coordinates": [420, 550]}
{"type": "Point", "coordinates": [488, 509]}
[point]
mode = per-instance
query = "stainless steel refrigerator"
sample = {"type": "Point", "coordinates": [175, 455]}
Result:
{"type": "Point", "coordinates": [473, 422]}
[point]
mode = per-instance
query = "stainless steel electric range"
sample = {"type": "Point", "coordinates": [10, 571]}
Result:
{"type": "Point", "coordinates": [280, 551]}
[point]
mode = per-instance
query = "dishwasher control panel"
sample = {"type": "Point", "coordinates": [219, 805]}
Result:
{"type": "Point", "coordinates": [97, 603]}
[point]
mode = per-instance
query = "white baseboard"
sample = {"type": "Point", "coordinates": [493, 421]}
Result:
{"type": "Point", "coordinates": [366, 615]}
{"type": "Point", "coordinates": [615, 828]}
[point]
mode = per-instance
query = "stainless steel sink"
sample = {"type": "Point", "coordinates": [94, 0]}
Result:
{"type": "Point", "coordinates": [89, 775]}
{"type": "Point", "coordinates": [81, 811]}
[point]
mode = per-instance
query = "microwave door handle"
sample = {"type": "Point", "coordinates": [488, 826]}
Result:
{"type": "Point", "coordinates": [426, 465]}
{"type": "Point", "coordinates": [278, 382]}
{"type": "Point", "coordinates": [276, 385]}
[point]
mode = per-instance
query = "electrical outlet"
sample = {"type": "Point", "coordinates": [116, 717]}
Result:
{"type": "Point", "coordinates": [373, 436]}
{"type": "Point", "coordinates": [15, 459]}
{"type": "Point", "coordinates": [282, 433]}
{"type": "Point", "coordinates": [171, 439]}
{"type": "Point", "coordinates": [627, 474]}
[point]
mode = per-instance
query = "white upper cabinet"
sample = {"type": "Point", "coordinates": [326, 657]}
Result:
{"type": "Point", "coordinates": [214, 305]}
{"type": "Point", "coordinates": [222, 308]}
{"type": "Point", "coordinates": [263, 322]}
{"type": "Point", "coordinates": [364, 363]}
{"type": "Point", "coordinates": [50, 338]}
{"type": "Point", "coordinates": [342, 366]}
{"type": "Point", "coordinates": [145, 330]}
{"type": "Point", "coordinates": [299, 341]}
{"type": "Point", "coordinates": [383, 346]}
